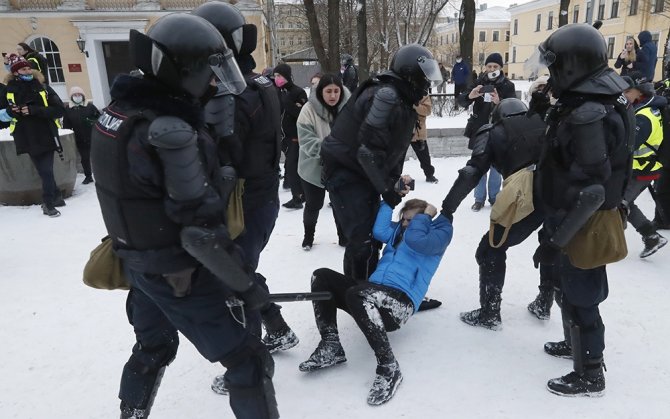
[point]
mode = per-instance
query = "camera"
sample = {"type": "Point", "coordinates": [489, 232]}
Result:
{"type": "Point", "coordinates": [402, 185]}
{"type": "Point", "coordinates": [488, 88]}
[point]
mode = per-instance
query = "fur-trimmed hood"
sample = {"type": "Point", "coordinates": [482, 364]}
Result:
{"type": "Point", "coordinates": [36, 74]}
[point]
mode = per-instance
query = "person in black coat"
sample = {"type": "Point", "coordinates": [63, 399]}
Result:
{"type": "Point", "coordinates": [34, 108]}
{"type": "Point", "coordinates": [80, 117]}
{"type": "Point", "coordinates": [4, 116]}
{"type": "Point", "coordinates": [37, 61]}
{"type": "Point", "coordinates": [349, 73]}
{"type": "Point", "coordinates": [292, 98]}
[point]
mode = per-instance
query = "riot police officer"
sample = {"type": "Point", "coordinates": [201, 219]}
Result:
{"type": "Point", "coordinates": [583, 169]}
{"type": "Point", "coordinates": [510, 144]}
{"type": "Point", "coordinates": [255, 134]}
{"type": "Point", "coordinates": [364, 154]}
{"type": "Point", "coordinates": [159, 184]}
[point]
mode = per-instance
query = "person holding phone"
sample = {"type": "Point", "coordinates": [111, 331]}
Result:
{"type": "Point", "coordinates": [627, 60]}
{"type": "Point", "coordinates": [485, 93]}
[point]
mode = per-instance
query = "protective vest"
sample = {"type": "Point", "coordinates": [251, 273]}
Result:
{"type": "Point", "coordinates": [11, 100]}
{"type": "Point", "coordinates": [644, 158]}
{"type": "Point", "coordinates": [523, 145]}
{"type": "Point", "coordinates": [134, 219]}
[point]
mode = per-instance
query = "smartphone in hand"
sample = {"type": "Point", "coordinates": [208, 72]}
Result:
{"type": "Point", "coordinates": [487, 88]}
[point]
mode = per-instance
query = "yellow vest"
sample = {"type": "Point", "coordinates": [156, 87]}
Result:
{"type": "Point", "coordinates": [643, 156]}
{"type": "Point", "coordinates": [10, 99]}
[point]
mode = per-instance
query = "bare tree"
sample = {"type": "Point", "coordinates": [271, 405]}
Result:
{"type": "Point", "coordinates": [329, 59]}
{"type": "Point", "coordinates": [362, 30]}
{"type": "Point", "coordinates": [466, 29]}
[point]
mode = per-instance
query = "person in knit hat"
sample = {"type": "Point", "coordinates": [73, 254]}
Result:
{"type": "Point", "coordinates": [34, 58]}
{"type": "Point", "coordinates": [80, 118]}
{"type": "Point", "coordinates": [34, 109]}
{"type": "Point", "coordinates": [483, 102]}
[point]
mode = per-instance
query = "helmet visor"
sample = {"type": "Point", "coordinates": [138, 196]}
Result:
{"type": "Point", "coordinates": [431, 70]}
{"type": "Point", "coordinates": [238, 37]}
{"type": "Point", "coordinates": [226, 70]}
{"type": "Point", "coordinates": [539, 61]}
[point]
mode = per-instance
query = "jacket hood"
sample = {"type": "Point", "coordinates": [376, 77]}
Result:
{"type": "Point", "coordinates": [36, 74]}
{"type": "Point", "coordinates": [644, 37]}
{"type": "Point", "coordinates": [76, 90]}
{"type": "Point", "coordinates": [321, 110]}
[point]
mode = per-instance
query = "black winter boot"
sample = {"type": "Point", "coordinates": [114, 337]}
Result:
{"type": "Point", "coordinates": [308, 240]}
{"type": "Point", "coordinates": [541, 306]}
{"type": "Point", "coordinates": [386, 383]}
{"type": "Point", "coordinates": [488, 316]}
{"type": "Point", "coordinates": [560, 349]}
{"type": "Point", "coordinates": [588, 383]}
{"type": "Point", "coordinates": [327, 354]}
{"type": "Point", "coordinates": [278, 335]}
{"type": "Point", "coordinates": [652, 243]}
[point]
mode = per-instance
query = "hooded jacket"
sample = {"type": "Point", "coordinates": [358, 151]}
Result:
{"type": "Point", "coordinates": [647, 56]}
{"type": "Point", "coordinates": [460, 74]}
{"type": "Point", "coordinates": [410, 265]}
{"type": "Point", "coordinates": [34, 133]}
{"type": "Point", "coordinates": [292, 98]}
{"type": "Point", "coordinates": [80, 118]}
{"type": "Point", "coordinates": [313, 126]}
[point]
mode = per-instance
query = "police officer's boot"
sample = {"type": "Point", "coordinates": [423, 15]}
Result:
{"type": "Point", "coordinates": [308, 240]}
{"type": "Point", "coordinates": [488, 315]}
{"type": "Point", "coordinates": [541, 306]}
{"type": "Point", "coordinates": [279, 336]}
{"type": "Point", "coordinates": [587, 380]}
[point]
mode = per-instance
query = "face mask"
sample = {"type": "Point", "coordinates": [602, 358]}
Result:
{"type": "Point", "coordinates": [458, 60]}
{"type": "Point", "coordinates": [494, 75]}
{"type": "Point", "coordinates": [280, 81]}
{"type": "Point", "coordinates": [26, 77]}
{"type": "Point", "coordinates": [77, 99]}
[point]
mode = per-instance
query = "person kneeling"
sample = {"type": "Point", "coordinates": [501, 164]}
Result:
{"type": "Point", "coordinates": [414, 247]}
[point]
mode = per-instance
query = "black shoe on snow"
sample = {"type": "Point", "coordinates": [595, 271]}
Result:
{"type": "Point", "coordinates": [131, 413]}
{"type": "Point", "coordinates": [386, 383]}
{"type": "Point", "coordinates": [477, 206]}
{"type": "Point", "coordinates": [429, 304]}
{"type": "Point", "coordinates": [481, 318]}
{"type": "Point", "coordinates": [652, 243]}
{"type": "Point", "coordinates": [326, 354]}
{"type": "Point", "coordinates": [87, 180]}
{"type": "Point", "coordinates": [294, 203]}
{"type": "Point", "coordinates": [560, 349]}
{"type": "Point", "coordinates": [50, 211]}
{"type": "Point", "coordinates": [307, 244]}
{"type": "Point", "coordinates": [431, 179]}
{"type": "Point", "coordinates": [280, 340]}
{"type": "Point", "coordinates": [590, 383]}
{"type": "Point", "coordinates": [219, 386]}
{"type": "Point", "coordinates": [541, 306]}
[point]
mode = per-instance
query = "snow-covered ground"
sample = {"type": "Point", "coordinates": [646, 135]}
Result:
{"type": "Point", "coordinates": [63, 345]}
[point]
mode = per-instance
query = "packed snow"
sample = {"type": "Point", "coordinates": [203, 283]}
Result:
{"type": "Point", "coordinates": [64, 344]}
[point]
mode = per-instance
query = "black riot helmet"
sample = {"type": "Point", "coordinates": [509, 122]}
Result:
{"type": "Point", "coordinates": [573, 53]}
{"type": "Point", "coordinates": [185, 52]}
{"type": "Point", "coordinates": [508, 107]}
{"type": "Point", "coordinates": [416, 64]}
{"type": "Point", "coordinates": [239, 35]}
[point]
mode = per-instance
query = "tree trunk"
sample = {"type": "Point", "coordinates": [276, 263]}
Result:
{"type": "Point", "coordinates": [563, 13]}
{"type": "Point", "coordinates": [333, 64]}
{"type": "Point", "coordinates": [466, 29]}
{"type": "Point", "coordinates": [362, 29]}
{"type": "Point", "coordinates": [315, 33]}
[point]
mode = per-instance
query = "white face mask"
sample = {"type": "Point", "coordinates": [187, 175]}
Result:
{"type": "Point", "coordinates": [494, 75]}
{"type": "Point", "coordinates": [458, 60]}
{"type": "Point", "coordinates": [77, 99]}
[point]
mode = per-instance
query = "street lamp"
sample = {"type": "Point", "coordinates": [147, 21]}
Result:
{"type": "Point", "coordinates": [81, 43]}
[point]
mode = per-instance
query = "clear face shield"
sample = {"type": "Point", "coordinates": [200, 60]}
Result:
{"type": "Point", "coordinates": [432, 71]}
{"type": "Point", "coordinates": [238, 37]}
{"type": "Point", "coordinates": [226, 70]}
{"type": "Point", "coordinates": [539, 62]}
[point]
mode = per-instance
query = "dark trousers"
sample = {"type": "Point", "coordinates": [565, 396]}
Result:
{"type": "Point", "coordinates": [355, 204]}
{"type": "Point", "coordinates": [293, 181]}
{"type": "Point", "coordinates": [156, 315]}
{"type": "Point", "coordinates": [662, 188]}
{"type": "Point", "coordinates": [423, 154]}
{"type": "Point", "coordinates": [635, 216]}
{"type": "Point", "coordinates": [84, 149]}
{"type": "Point", "coordinates": [377, 309]}
{"type": "Point", "coordinates": [492, 261]}
{"type": "Point", "coordinates": [314, 199]}
{"type": "Point", "coordinates": [44, 164]}
{"type": "Point", "coordinates": [458, 89]}
{"type": "Point", "coordinates": [259, 222]}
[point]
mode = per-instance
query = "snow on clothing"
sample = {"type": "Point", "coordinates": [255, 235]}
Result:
{"type": "Point", "coordinates": [410, 265]}
{"type": "Point", "coordinates": [647, 56]}
{"type": "Point", "coordinates": [34, 133]}
{"type": "Point", "coordinates": [313, 126]}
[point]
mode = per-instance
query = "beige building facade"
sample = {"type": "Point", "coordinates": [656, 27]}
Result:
{"type": "Point", "coordinates": [531, 23]}
{"type": "Point", "coordinates": [53, 27]}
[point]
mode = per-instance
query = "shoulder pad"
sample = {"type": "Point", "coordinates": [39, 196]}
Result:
{"type": "Point", "coordinates": [484, 128]}
{"type": "Point", "coordinates": [480, 141]}
{"type": "Point", "coordinates": [387, 95]}
{"type": "Point", "coordinates": [587, 113]}
{"type": "Point", "coordinates": [171, 132]}
{"type": "Point", "coordinates": [382, 105]}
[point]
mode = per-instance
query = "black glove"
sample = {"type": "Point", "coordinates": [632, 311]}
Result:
{"type": "Point", "coordinates": [392, 198]}
{"type": "Point", "coordinates": [448, 215]}
{"type": "Point", "coordinates": [546, 254]}
{"type": "Point", "coordinates": [539, 102]}
{"type": "Point", "coordinates": [255, 297]}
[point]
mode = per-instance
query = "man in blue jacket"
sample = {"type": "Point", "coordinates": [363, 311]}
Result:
{"type": "Point", "coordinates": [648, 55]}
{"type": "Point", "coordinates": [460, 74]}
{"type": "Point", "coordinates": [414, 248]}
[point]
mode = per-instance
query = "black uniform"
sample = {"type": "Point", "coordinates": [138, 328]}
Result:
{"type": "Point", "coordinates": [510, 145]}
{"type": "Point", "coordinates": [80, 118]}
{"type": "Point", "coordinates": [354, 196]}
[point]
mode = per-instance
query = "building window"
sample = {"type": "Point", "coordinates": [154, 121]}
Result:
{"type": "Point", "coordinates": [538, 23]}
{"type": "Point", "coordinates": [283, 42]}
{"type": "Point", "coordinates": [610, 47]}
{"type": "Point", "coordinates": [496, 36]}
{"type": "Point", "coordinates": [49, 49]}
{"type": "Point", "coordinates": [654, 38]}
{"type": "Point", "coordinates": [589, 11]}
{"type": "Point", "coordinates": [657, 6]}
{"type": "Point", "coordinates": [482, 36]}
{"type": "Point", "coordinates": [601, 9]}
{"type": "Point", "coordinates": [575, 14]}
{"type": "Point", "coordinates": [506, 57]}
{"type": "Point", "coordinates": [481, 58]}
{"type": "Point", "coordinates": [513, 54]}
{"type": "Point", "coordinates": [615, 9]}
{"type": "Point", "coordinates": [633, 8]}
{"type": "Point", "coordinates": [452, 37]}
{"type": "Point", "coordinates": [290, 42]}
{"type": "Point", "coordinates": [506, 36]}
{"type": "Point", "coordinates": [550, 21]}
{"type": "Point", "coordinates": [516, 26]}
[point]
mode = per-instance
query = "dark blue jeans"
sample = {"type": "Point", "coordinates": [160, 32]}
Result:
{"type": "Point", "coordinates": [44, 164]}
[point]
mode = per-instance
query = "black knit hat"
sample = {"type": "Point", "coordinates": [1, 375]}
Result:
{"type": "Point", "coordinates": [284, 70]}
{"type": "Point", "coordinates": [494, 58]}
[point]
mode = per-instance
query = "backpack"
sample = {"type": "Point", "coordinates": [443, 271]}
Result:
{"type": "Point", "coordinates": [513, 203]}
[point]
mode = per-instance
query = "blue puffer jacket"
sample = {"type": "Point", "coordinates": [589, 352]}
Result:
{"type": "Point", "coordinates": [411, 265]}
